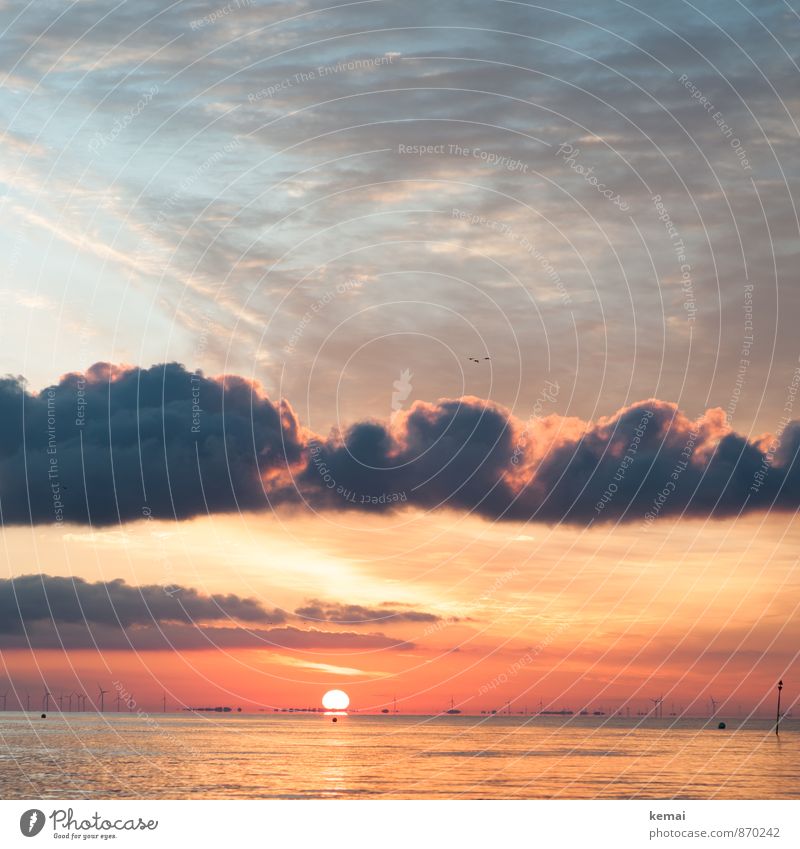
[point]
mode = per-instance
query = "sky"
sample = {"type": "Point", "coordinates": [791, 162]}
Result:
{"type": "Point", "coordinates": [422, 350]}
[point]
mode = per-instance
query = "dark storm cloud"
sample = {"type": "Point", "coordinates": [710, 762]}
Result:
{"type": "Point", "coordinates": [648, 460]}
{"type": "Point", "coordinates": [449, 454]}
{"type": "Point", "coordinates": [351, 614]}
{"type": "Point", "coordinates": [33, 598]}
{"type": "Point", "coordinates": [48, 612]}
{"type": "Point", "coordinates": [134, 450]}
{"type": "Point", "coordinates": [128, 443]}
{"type": "Point", "coordinates": [50, 635]}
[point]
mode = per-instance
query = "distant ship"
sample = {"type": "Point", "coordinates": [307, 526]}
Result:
{"type": "Point", "coordinates": [210, 709]}
{"type": "Point", "coordinates": [453, 708]}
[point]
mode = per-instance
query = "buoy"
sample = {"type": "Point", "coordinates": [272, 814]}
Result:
{"type": "Point", "coordinates": [721, 725]}
{"type": "Point", "coordinates": [44, 716]}
{"type": "Point", "coordinates": [334, 719]}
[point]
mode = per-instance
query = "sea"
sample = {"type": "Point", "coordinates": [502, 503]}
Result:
{"type": "Point", "coordinates": [308, 756]}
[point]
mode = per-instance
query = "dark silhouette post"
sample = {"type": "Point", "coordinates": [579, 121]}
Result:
{"type": "Point", "coordinates": [778, 714]}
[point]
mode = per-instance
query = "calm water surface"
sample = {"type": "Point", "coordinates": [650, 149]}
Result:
{"type": "Point", "coordinates": [85, 756]}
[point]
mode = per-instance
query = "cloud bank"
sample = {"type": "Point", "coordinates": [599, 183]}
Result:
{"type": "Point", "coordinates": [121, 444]}
{"type": "Point", "coordinates": [353, 614]}
{"type": "Point", "coordinates": [31, 598]}
{"type": "Point", "coordinates": [117, 444]}
{"type": "Point", "coordinates": [49, 612]}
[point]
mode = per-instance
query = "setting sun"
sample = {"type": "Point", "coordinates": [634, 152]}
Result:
{"type": "Point", "coordinates": [335, 700]}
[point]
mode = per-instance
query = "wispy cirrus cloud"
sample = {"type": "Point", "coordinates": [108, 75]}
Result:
{"type": "Point", "coordinates": [316, 190]}
{"type": "Point", "coordinates": [330, 668]}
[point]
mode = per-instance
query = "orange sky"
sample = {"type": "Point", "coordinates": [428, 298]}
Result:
{"type": "Point", "coordinates": [573, 617]}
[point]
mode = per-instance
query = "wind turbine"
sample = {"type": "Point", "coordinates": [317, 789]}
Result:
{"type": "Point", "coordinates": [69, 701]}
{"type": "Point", "coordinates": [4, 697]}
{"type": "Point", "coordinates": [713, 706]}
{"type": "Point", "coordinates": [102, 698]}
{"type": "Point", "coordinates": [118, 700]}
{"type": "Point", "coordinates": [28, 700]}
{"type": "Point", "coordinates": [61, 702]}
{"type": "Point", "coordinates": [46, 701]}
{"type": "Point", "coordinates": [656, 705]}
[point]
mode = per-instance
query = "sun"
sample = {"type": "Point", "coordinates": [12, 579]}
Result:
{"type": "Point", "coordinates": [335, 700]}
